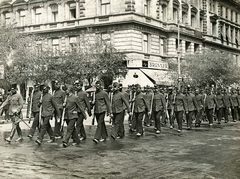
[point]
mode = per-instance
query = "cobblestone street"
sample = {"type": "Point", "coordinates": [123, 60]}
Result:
{"type": "Point", "coordinates": [199, 153]}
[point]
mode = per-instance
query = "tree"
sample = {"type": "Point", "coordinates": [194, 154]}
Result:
{"type": "Point", "coordinates": [211, 67]}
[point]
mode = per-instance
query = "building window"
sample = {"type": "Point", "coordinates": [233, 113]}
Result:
{"type": "Point", "coordinates": [214, 28]}
{"type": "Point", "coordinates": [146, 43]}
{"type": "Point", "coordinates": [22, 14]}
{"type": "Point", "coordinates": [175, 15]}
{"type": "Point", "coordinates": [164, 12]}
{"type": "Point", "coordinates": [105, 7]}
{"type": "Point", "coordinates": [73, 43]}
{"type": "Point", "coordinates": [226, 13]}
{"type": "Point", "coordinates": [55, 47]}
{"type": "Point", "coordinates": [196, 48]}
{"type": "Point", "coordinates": [236, 18]}
{"type": "Point", "coordinates": [7, 17]}
{"type": "Point", "coordinates": [106, 38]}
{"type": "Point", "coordinates": [54, 8]}
{"type": "Point", "coordinates": [147, 7]}
{"type": "Point", "coordinates": [193, 20]}
{"type": "Point", "coordinates": [38, 13]}
{"type": "Point", "coordinates": [72, 11]}
{"type": "Point", "coordinates": [187, 46]}
{"type": "Point", "coordinates": [201, 24]}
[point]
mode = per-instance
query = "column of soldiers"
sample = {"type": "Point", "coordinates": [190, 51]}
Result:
{"type": "Point", "coordinates": [155, 107]}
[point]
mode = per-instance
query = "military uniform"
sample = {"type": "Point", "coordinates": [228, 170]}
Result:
{"type": "Point", "coordinates": [180, 105]}
{"type": "Point", "coordinates": [140, 105]}
{"type": "Point", "coordinates": [102, 105]}
{"type": "Point", "coordinates": [226, 107]}
{"type": "Point", "coordinates": [73, 105]}
{"type": "Point", "coordinates": [158, 110]}
{"type": "Point", "coordinates": [15, 102]}
{"type": "Point", "coordinates": [234, 106]}
{"type": "Point", "coordinates": [170, 108]}
{"type": "Point", "coordinates": [210, 103]}
{"type": "Point", "coordinates": [48, 107]}
{"type": "Point", "coordinates": [35, 111]}
{"type": "Point", "coordinates": [119, 103]}
{"type": "Point", "coordinates": [148, 97]}
{"type": "Point", "coordinates": [191, 108]}
{"type": "Point", "coordinates": [82, 95]}
{"type": "Point", "coordinates": [220, 102]}
{"type": "Point", "coordinates": [59, 96]}
{"type": "Point", "coordinates": [200, 103]}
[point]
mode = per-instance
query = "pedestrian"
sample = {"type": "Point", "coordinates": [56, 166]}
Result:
{"type": "Point", "coordinates": [140, 105]}
{"type": "Point", "coordinates": [210, 104]}
{"type": "Point", "coordinates": [15, 102]}
{"type": "Point", "coordinates": [102, 105]}
{"type": "Point", "coordinates": [119, 103]}
{"type": "Point", "coordinates": [72, 107]}
{"type": "Point", "coordinates": [35, 109]}
{"type": "Point", "coordinates": [82, 95]}
{"type": "Point", "coordinates": [158, 108]}
{"type": "Point", "coordinates": [5, 109]}
{"type": "Point", "coordinates": [59, 97]}
{"type": "Point", "coordinates": [180, 105]}
{"type": "Point", "coordinates": [47, 108]}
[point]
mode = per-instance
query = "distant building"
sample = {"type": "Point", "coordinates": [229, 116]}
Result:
{"type": "Point", "coordinates": [146, 30]}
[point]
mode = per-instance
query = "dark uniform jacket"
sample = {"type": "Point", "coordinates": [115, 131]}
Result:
{"type": "Point", "coordinates": [102, 102]}
{"type": "Point", "coordinates": [126, 96]}
{"type": "Point", "coordinates": [191, 102]}
{"type": "Point", "coordinates": [73, 106]}
{"type": "Point", "coordinates": [35, 101]}
{"type": "Point", "coordinates": [158, 102]}
{"type": "Point", "coordinates": [169, 99]}
{"type": "Point", "coordinates": [141, 104]}
{"type": "Point", "coordinates": [180, 103]}
{"type": "Point", "coordinates": [199, 100]}
{"type": "Point", "coordinates": [49, 106]}
{"type": "Point", "coordinates": [227, 100]}
{"type": "Point", "coordinates": [210, 101]}
{"type": "Point", "coordinates": [15, 103]}
{"type": "Point", "coordinates": [234, 100]}
{"type": "Point", "coordinates": [148, 97]}
{"type": "Point", "coordinates": [220, 102]}
{"type": "Point", "coordinates": [59, 97]}
{"type": "Point", "coordinates": [119, 103]}
{"type": "Point", "coordinates": [82, 95]}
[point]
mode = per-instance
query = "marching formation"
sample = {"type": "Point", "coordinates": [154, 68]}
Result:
{"type": "Point", "coordinates": [155, 107]}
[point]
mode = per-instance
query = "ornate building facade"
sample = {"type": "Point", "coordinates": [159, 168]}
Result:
{"type": "Point", "coordinates": [146, 30]}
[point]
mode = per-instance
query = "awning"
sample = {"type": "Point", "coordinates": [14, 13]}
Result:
{"type": "Point", "coordinates": [141, 79]}
{"type": "Point", "coordinates": [159, 77]}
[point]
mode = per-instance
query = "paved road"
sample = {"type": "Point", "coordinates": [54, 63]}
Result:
{"type": "Point", "coordinates": [199, 153]}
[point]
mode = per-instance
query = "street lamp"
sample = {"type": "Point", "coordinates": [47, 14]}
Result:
{"type": "Point", "coordinates": [178, 51]}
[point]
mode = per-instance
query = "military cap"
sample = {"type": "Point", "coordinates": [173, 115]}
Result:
{"type": "Point", "coordinates": [45, 85]}
{"type": "Point", "coordinates": [13, 86]}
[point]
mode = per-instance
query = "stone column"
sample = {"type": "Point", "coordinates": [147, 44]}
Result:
{"type": "Point", "coordinates": [77, 9]}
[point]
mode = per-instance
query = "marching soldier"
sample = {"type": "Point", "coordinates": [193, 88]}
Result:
{"type": "Point", "coordinates": [200, 103]}
{"type": "Point", "coordinates": [170, 106]}
{"type": "Point", "coordinates": [148, 97]}
{"type": "Point", "coordinates": [15, 102]}
{"type": "Point", "coordinates": [210, 103]}
{"type": "Point", "coordinates": [191, 108]}
{"type": "Point", "coordinates": [238, 109]}
{"type": "Point", "coordinates": [139, 109]}
{"type": "Point", "coordinates": [234, 104]}
{"type": "Point", "coordinates": [220, 102]}
{"type": "Point", "coordinates": [227, 104]}
{"type": "Point", "coordinates": [35, 109]}
{"type": "Point", "coordinates": [48, 105]}
{"type": "Point", "coordinates": [158, 109]}
{"type": "Point", "coordinates": [73, 105]}
{"type": "Point", "coordinates": [82, 95]}
{"type": "Point", "coordinates": [180, 105]}
{"type": "Point", "coordinates": [119, 102]}
{"type": "Point", "coordinates": [126, 96]}
{"type": "Point", "coordinates": [59, 96]}
{"type": "Point", "coordinates": [102, 105]}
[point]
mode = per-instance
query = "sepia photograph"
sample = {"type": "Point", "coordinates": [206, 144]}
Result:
{"type": "Point", "coordinates": [119, 89]}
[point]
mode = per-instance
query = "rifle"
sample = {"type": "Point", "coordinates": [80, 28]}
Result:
{"type": "Point", "coordinates": [151, 104]}
{"type": "Point", "coordinates": [133, 105]}
{"type": "Point", "coordinates": [40, 112]}
{"type": "Point", "coordinates": [30, 107]}
{"type": "Point", "coordinates": [111, 99]}
{"type": "Point", "coordinates": [63, 113]}
{"type": "Point", "coordinates": [93, 119]}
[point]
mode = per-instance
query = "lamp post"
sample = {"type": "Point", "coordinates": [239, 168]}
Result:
{"type": "Point", "coordinates": [178, 53]}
